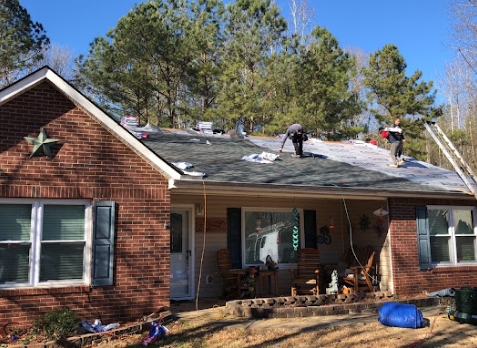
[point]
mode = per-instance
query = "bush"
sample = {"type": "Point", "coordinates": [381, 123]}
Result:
{"type": "Point", "coordinates": [58, 324]}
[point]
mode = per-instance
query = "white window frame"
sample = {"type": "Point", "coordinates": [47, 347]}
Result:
{"type": "Point", "coordinates": [35, 241]}
{"type": "Point", "coordinates": [451, 234]}
{"type": "Point", "coordinates": [271, 210]}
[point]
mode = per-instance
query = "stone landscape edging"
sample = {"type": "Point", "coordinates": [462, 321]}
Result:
{"type": "Point", "coordinates": [321, 305]}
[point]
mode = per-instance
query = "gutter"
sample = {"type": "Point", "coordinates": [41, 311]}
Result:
{"type": "Point", "coordinates": [236, 189]}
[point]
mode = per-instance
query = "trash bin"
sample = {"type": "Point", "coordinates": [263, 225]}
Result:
{"type": "Point", "coordinates": [465, 306]}
{"type": "Point", "coordinates": [466, 300]}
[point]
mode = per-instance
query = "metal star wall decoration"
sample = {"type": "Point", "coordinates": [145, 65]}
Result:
{"type": "Point", "coordinates": [41, 144]}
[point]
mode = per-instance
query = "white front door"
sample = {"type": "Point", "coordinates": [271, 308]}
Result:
{"type": "Point", "coordinates": [182, 274]}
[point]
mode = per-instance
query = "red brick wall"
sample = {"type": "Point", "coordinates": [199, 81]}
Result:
{"type": "Point", "coordinates": [88, 163]}
{"type": "Point", "coordinates": [408, 278]}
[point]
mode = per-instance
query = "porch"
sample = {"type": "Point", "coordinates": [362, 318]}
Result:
{"type": "Point", "coordinates": [325, 225]}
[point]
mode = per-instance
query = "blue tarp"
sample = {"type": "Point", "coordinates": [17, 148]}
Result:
{"type": "Point", "coordinates": [400, 315]}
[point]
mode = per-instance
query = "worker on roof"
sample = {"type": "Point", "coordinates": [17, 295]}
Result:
{"type": "Point", "coordinates": [396, 139]}
{"type": "Point", "coordinates": [295, 133]}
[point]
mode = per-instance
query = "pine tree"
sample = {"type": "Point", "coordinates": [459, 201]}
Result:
{"type": "Point", "coordinates": [200, 87]}
{"type": "Point", "coordinates": [21, 41]}
{"type": "Point", "coordinates": [392, 94]}
{"type": "Point", "coordinates": [323, 78]}
{"type": "Point", "coordinates": [253, 32]}
{"type": "Point", "coordinates": [141, 64]}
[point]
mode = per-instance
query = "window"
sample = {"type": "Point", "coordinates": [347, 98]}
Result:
{"type": "Point", "coordinates": [271, 233]}
{"type": "Point", "coordinates": [44, 242]}
{"type": "Point", "coordinates": [447, 235]}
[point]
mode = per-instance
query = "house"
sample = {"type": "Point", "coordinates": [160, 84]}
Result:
{"type": "Point", "coordinates": [84, 208]}
{"type": "Point", "coordinates": [99, 221]}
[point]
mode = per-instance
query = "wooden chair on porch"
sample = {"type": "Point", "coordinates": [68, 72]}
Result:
{"type": "Point", "coordinates": [359, 278]}
{"type": "Point", "coordinates": [305, 279]}
{"type": "Point", "coordinates": [233, 285]}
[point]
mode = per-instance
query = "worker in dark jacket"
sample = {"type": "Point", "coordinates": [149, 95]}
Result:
{"type": "Point", "coordinates": [295, 133]}
{"type": "Point", "coordinates": [396, 139]}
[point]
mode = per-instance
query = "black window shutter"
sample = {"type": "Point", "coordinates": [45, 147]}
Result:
{"type": "Point", "coordinates": [423, 237]}
{"type": "Point", "coordinates": [103, 243]}
{"type": "Point", "coordinates": [309, 219]}
{"type": "Point", "coordinates": [234, 240]}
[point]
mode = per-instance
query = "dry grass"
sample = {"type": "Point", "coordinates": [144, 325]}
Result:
{"type": "Point", "coordinates": [441, 332]}
{"type": "Point", "coordinates": [215, 329]}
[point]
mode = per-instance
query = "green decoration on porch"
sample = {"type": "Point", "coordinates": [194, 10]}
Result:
{"type": "Point", "coordinates": [41, 144]}
{"type": "Point", "coordinates": [296, 222]}
{"type": "Point", "coordinates": [364, 223]}
{"type": "Point", "coordinates": [324, 236]}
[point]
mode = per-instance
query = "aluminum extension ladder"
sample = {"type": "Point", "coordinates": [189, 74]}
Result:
{"type": "Point", "coordinates": [464, 170]}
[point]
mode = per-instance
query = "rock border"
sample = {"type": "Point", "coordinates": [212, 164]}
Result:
{"type": "Point", "coordinates": [321, 305]}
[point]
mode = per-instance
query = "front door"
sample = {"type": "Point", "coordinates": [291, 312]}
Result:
{"type": "Point", "coordinates": [181, 254]}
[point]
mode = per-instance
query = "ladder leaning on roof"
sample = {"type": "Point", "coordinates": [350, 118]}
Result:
{"type": "Point", "coordinates": [453, 155]}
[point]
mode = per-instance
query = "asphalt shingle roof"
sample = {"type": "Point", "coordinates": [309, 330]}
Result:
{"type": "Point", "coordinates": [344, 165]}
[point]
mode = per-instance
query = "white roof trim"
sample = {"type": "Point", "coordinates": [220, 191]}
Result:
{"type": "Point", "coordinates": [47, 74]}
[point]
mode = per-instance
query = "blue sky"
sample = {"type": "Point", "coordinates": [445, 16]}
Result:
{"type": "Point", "coordinates": [419, 28]}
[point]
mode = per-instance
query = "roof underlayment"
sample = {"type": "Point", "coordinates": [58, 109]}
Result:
{"type": "Point", "coordinates": [372, 157]}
